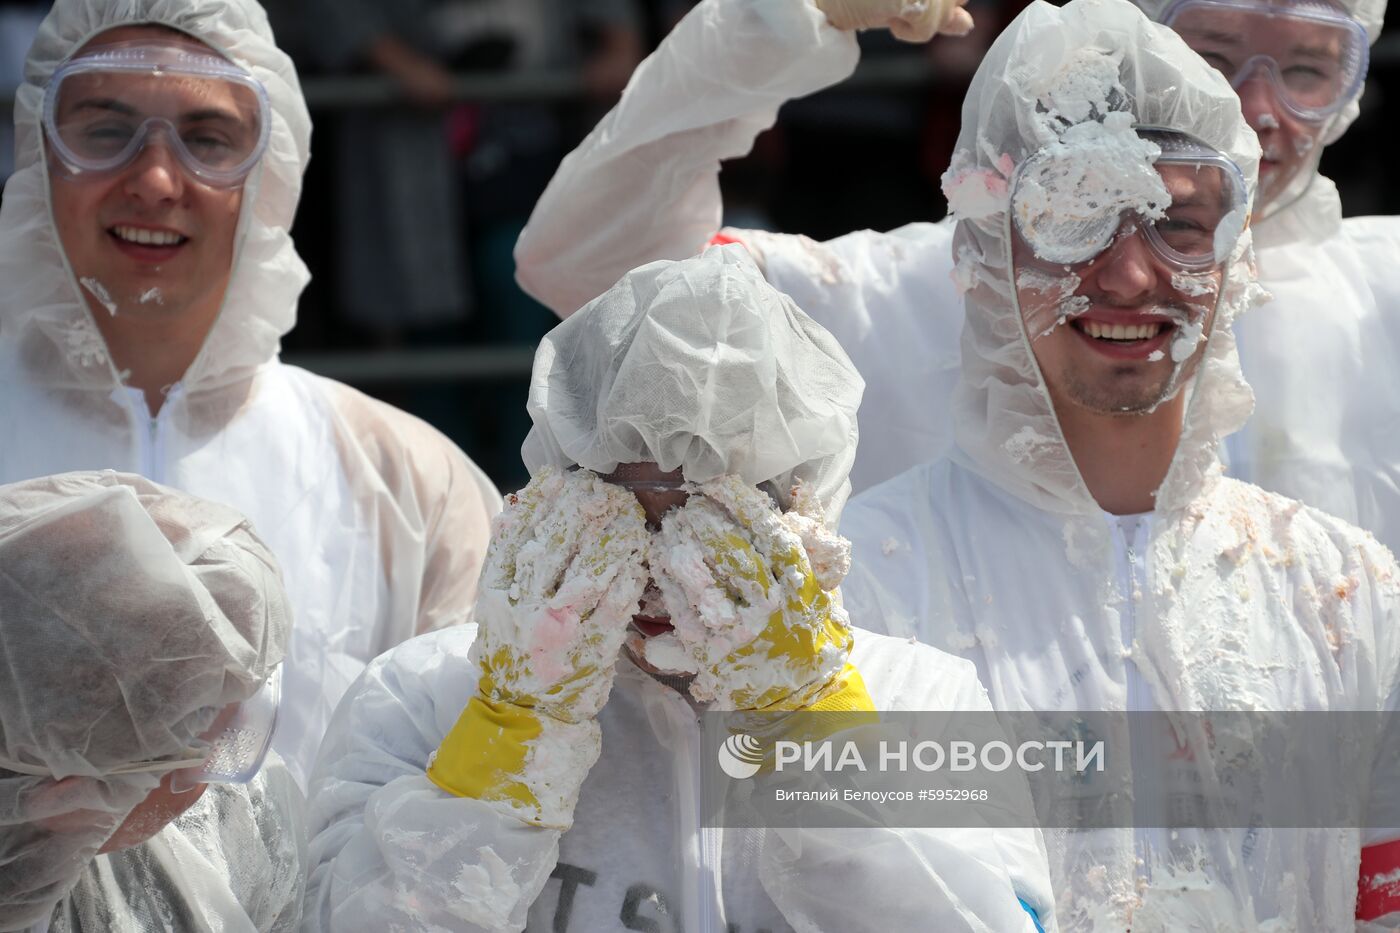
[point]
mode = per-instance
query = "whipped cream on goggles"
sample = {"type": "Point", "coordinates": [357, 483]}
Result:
{"type": "Point", "coordinates": [1312, 52]}
{"type": "Point", "coordinates": [103, 108]}
{"type": "Point", "coordinates": [1068, 211]}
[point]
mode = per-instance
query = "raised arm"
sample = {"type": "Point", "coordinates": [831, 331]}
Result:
{"type": "Point", "coordinates": [644, 185]}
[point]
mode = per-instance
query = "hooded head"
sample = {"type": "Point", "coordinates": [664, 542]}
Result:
{"type": "Point", "coordinates": [130, 615]}
{"type": "Point", "coordinates": [1068, 85]}
{"type": "Point", "coordinates": [1305, 204]}
{"type": "Point", "coordinates": [45, 309]}
{"type": "Point", "coordinates": [702, 366]}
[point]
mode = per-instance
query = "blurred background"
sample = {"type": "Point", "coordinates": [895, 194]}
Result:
{"type": "Point", "coordinates": [438, 123]}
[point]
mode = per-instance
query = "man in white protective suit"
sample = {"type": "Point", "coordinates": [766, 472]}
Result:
{"type": "Point", "coordinates": [149, 275]}
{"type": "Point", "coordinates": [543, 764]}
{"type": "Point", "coordinates": [137, 626]}
{"type": "Point", "coordinates": [1322, 356]}
{"type": "Point", "coordinates": [1080, 544]}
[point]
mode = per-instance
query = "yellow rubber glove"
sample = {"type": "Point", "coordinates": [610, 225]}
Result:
{"type": "Point", "coordinates": [765, 629]}
{"type": "Point", "coordinates": [562, 578]}
{"type": "Point", "coordinates": [908, 20]}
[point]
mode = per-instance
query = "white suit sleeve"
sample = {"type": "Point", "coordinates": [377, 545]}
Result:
{"type": "Point", "coordinates": [644, 185]}
{"type": "Point", "coordinates": [950, 879]}
{"type": "Point", "coordinates": [389, 850]}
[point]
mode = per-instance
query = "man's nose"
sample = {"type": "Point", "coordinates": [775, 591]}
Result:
{"type": "Point", "coordinates": [1127, 271]}
{"type": "Point", "coordinates": [1259, 101]}
{"type": "Point", "coordinates": [155, 175]}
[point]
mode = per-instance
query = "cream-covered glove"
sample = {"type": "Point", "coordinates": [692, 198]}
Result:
{"type": "Point", "coordinates": [908, 20]}
{"type": "Point", "coordinates": [562, 579]}
{"type": "Point", "coordinates": [762, 627]}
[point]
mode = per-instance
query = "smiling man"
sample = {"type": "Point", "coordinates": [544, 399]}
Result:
{"type": "Point", "coordinates": [149, 275]}
{"type": "Point", "coordinates": [1080, 545]}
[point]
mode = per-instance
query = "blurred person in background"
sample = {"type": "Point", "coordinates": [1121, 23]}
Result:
{"type": "Point", "coordinates": [149, 275]}
{"type": "Point", "coordinates": [1323, 357]}
{"type": "Point", "coordinates": [138, 626]}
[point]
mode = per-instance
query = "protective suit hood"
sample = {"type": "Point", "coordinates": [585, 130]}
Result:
{"type": "Point", "coordinates": [130, 614]}
{"type": "Point", "coordinates": [43, 309]}
{"type": "Point", "coordinates": [699, 365]}
{"type": "Point", "coordinates": [1051, 68]}
{"type": "Point", "coordinates": [1309, 210]}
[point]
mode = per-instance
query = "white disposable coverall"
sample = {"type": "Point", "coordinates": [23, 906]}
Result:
{"type": "Point", "coordinates": [391, 851]}
{"type": "Point", "coordinates": [751, 388]}
{"type": "Point", "coordinates": [380, 521]}
{"type": "Point", "coordinates": [130, 615]}
{"type": "Point", "coordinates": [1323, 357]}
{"type": "Point", "coordinates": [1225, 597]}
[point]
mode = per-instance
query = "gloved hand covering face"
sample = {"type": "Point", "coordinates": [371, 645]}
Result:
{"type": "Point", "coordinates": [699, 365]}
{"type": "Point", "coordinates": [561, 581]}
{"type": "Point", "coordinates": [909, 20]}
{"type": "Point", "coordinates": [130, 615]}
{"type": "Point", "coordinates": [751, 593]}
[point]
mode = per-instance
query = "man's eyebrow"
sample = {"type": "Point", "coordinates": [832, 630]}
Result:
{"type": "Point", "coordinates": [1321, 52]}
{"type": "Point", "coordinates": [105, 103]}
{"type": "Point", "coordinates": [1214, 35]}
{"type": "Point", "coordinates": [210, 113]}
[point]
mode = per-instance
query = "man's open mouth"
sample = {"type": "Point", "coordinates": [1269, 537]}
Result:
{"type": "Point", "coordinates": [145, 236]}
{"type": "Point", "coordinates": [1119, 333]}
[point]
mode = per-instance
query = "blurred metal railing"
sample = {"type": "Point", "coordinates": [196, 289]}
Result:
{"type": "Point", "coordinates": [505, 362]}
{"type": "Point", "coordinates": [454, 364]}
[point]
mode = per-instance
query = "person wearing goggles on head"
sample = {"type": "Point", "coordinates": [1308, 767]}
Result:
{"type": "Point", "coordinates": [144, 243]}
{"type": "Point", "coordinates": [674, 553]}
{"type": "Point", "coordinates": [142, 632]}
{"type": "Point", "coordinates": [718, 80]}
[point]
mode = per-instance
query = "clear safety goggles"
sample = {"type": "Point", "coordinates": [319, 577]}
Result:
{"type": "Point", "coordinates": [238, 744]}
{"type": "Point", "coordinates": [102, 109]}
{"type": "Point", "coordinates": [1311, 51]}
{"type": "Point", "coordinates": [1207, 195]}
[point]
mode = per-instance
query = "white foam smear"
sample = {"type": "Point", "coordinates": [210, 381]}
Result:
{"type": "Point", "coordinates": [99, 291]}
{"type": "Point", "coordinates": [1021, 445]}
{"type": "Point", "coordinates": [1059, 304]}
{"type": "Point", "coordinates": [1194, 284]}
{"type": "Point", "coordinates": [1069, 199]}
{"type": "Point", "coordinates": [565, 565]}
{"type": "Point", "coordinates": [152, 294]}
{"type": "Point", "coordinates": [1267, 121]}
{"type": "Point", "coordinates": [721, 597]}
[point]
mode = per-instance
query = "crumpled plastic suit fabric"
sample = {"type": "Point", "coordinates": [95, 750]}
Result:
{"type": "Point", "coordinates": [644, 185]}
{"type": "Point", "coordinates": [391, 851]}
{"type": "Point", "coordinates": [1315, 436]}
{"type": "Point", "coordinates": [1000, 554]}
{"type": "Point", "coordinates": [130, 614]}
{"type": "Point", "coordinates": [380, 520]}
{"type": "Point", "coordinates": [756, 389]}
